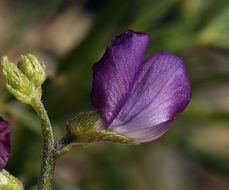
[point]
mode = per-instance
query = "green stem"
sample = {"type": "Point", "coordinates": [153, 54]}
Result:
{"type": "Point", "coordinates": [48, 158]}
{"type": "Point", "coordinates": [64, 145]}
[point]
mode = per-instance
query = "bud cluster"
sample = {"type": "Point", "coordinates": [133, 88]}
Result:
{"type": "Point", "coordinates": [24, 81]}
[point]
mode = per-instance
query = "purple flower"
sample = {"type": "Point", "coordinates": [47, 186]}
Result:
{"type": "Point", "coordinates": [4, 142]}
{"type": "Point", "coordinates": [139, 98]}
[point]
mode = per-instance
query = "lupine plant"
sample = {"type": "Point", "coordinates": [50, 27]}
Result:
{"type": "Point", "coordinates": [134, 100]}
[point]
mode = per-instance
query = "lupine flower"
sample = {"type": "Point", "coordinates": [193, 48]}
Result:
{"type": "Point", "coordinates": [4, 142]}
{"type": "Point", "coordinates": [139, 98]}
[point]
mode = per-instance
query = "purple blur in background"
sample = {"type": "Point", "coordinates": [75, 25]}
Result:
{"type": "Point", "coordinates": [139, 98]}
{"type": "Point", "coordinates": [4, 142]}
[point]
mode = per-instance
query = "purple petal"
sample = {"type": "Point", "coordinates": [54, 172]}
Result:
{"type": "Point", "coordinates": [150, 133]}
{"type": "Point", "coordinates": [160, 91]}
{"type": "Point", "coordinates": [114, 74]}
{"type": "Point", "coordinates": [4, 142]}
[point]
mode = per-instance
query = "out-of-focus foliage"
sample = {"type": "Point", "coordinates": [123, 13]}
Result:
{"type": "Point", "coordinates": [70, 36]}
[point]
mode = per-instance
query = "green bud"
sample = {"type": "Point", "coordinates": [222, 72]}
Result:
{"type": "Point", "coordinates": [26, 67]}
{"type": "Point", "coordinates": [17, 83]}
{"type": "Point", "coordinates": [20, 96]}
{"type": "Point", "coordinates": [24, 81]}
{"type": "Point", "coordinates": [15, 78]}
{"type": "Point", "coordinates": [9, 182]}
{"type": "Point", "coordinates": [90, 127]}
{"type": "Point", "coordinates": [33, 69]}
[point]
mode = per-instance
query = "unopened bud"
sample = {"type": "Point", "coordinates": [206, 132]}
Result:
{"type": "Point", "coordinates": [33, 69]}
{"type": "Point", "coordinates": [17, 83]}
{"type": "Point", "coordinates": [9, 182]}
{"type": "Point", "coordinates": [24, 81]}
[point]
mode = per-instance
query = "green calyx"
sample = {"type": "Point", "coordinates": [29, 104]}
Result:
{"type": "Point", "coordinates": [85, 128]}
{"type": "Point", "coordinates": [90, 127]}
{"type": "Point", "coordinates": [9, 182]}
{"type": "Point", "coordinates": [24, 81]}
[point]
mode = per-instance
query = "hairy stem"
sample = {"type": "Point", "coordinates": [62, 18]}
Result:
{"type": "Point", "coordinates": [64, 145]}
{"type": "Point", "coordinates": [48, 158]}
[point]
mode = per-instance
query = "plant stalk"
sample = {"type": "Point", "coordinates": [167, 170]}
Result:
{"type": "Point", "coordinates": [48, 158]}
{"type": "Point", "coordinates": [64, 145]}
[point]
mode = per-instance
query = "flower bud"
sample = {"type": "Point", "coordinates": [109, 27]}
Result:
{"type": "Point", "coordinates": [17, 82]}
{"type": "Point", "coordinates": [26, 67]}
{"type": "Point", "coordinates": [33, 69]}
{"type": "Point", "coordinates": [24, 81]}
{"type": "Point", "coordinates": [9, 182]}
{"type": "Point", "coordinates": [15, 78]}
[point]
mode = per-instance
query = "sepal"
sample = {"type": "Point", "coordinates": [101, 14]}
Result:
{"type": "Point", "coordinates": [89, 127]}
{"type": "Point", "coordinates": [85, 128]}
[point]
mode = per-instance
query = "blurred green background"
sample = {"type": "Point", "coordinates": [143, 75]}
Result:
{"type": "Point", "coordinates": [70, 36]}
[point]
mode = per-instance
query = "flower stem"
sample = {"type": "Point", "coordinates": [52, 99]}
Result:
{"type": "Point", "coordinates": [48, 159]}
{"type": "Point", "coordinates": [64, 145]}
